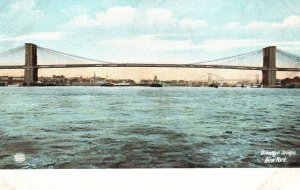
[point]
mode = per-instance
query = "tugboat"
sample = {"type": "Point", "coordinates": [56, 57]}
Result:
{"type": "Point", "coordinates": [156, 83]}
{"type": "Point", "coordinates": [107, 84]}
{"type": "Point", "coordinates": [3, 84]}
{"type": "Point", "coordinates": [215, 85]}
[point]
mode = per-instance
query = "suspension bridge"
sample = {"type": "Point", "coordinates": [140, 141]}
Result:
{"type": "Point", "coordinates": [48, 58]}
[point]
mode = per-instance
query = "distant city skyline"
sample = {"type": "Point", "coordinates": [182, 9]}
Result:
{"type": "Point", "coordinates": [143, 73]}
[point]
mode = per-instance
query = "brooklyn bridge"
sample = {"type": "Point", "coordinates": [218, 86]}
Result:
{"type": "Point", "coordinates": [32, 55]}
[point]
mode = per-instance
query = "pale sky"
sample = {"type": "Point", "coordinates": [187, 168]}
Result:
{"type": "Point", "coordinates": [163, 31]}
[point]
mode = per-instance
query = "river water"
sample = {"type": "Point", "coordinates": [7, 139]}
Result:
{"type": "Point", "coordinates": [143, 127]}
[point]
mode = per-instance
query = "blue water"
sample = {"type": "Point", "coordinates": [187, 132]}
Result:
{"type": "Point", "coordinates": [143, 127]}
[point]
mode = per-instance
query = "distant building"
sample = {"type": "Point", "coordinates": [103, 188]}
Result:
{"type": "Point", "coordinates": [10, 80]}
{"type": "Point", "coordinates": [291, 83]}
{"type": "Point", "coordinates": [56, 80]}
{"type": "Point", "coordinates": [4, 78]}
{"type": "Point", "coordinates": [17, 80]}
{"type": "Point", "coordinates": [59, 78]}
{"type": "Point", "coordinates": [146, 82]}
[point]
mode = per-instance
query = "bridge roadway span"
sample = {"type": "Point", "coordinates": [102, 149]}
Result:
{"type": "Point", "coordinates": [145, 65]}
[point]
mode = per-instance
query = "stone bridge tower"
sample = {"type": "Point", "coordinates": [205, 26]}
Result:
{"type": "Point", "coordinates": [269, 67]}
{"type": "Point", "coordinates": [30, 70]}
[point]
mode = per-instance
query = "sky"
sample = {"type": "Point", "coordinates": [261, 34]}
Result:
{"type": "Point", "coordinates": [162, 31]}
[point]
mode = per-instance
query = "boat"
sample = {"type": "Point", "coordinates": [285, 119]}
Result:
{"type": "Point", "coordinates": [256, 86]}
{"type": "Point", "coordinates": [156, 83]}
{"type": "Point", "coordinates": [107, 84]}
{"type": "Point", "coordinates": [3, 84]}
{"type": "Point", "coordinates": [123, 84]}
{"type": "Point", "coordinates": [215, 85]}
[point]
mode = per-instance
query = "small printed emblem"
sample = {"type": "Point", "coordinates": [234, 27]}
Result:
{"type": "Point", "coordinates": [19, 157]}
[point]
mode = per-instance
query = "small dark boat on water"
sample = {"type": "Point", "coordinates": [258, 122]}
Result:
{"type": "Point", "coordinates": [156, 83]}
{"type": "Point", "coordinates": [107, 84]}
{"type": "Point", "coordinates": [216, 85]}
{"type": "Point", "coordinates": [3, 84]}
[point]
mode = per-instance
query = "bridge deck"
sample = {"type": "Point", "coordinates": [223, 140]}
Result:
{"type": "Point", "coordinates": [147, 65]}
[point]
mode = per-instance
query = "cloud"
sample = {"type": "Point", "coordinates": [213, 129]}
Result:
{"type": "Point", "coordinates": [83, 20]}
{"type": "Point", "coordinates": [192, 23]}
{"type": "Point", "coordinates": [229, 44]}
{"type": "Point", "coordinates": [233, 25]}
{"type": "Point", "coordinates": [114, 16]}
{"type": "Point", "coordinates": [117, 15]}
{"type": "Point", "coordinates": [22, 16]}
{"type": "Point", "coordinates": [23, 4]}
{"type": "Point", "coordinates": [147, 43]}
{"type": "Point", "coordinates": [22, 10]}
{"type": "Point", "coordinates": [289, 22]}
{"type": "Point", "coordinates": [287, 45]}
{"type": "Point", "coordinates": [225, 44]}
{"type": "Point", "coordinates": [292, 21]}
{"type": "Point", "coordinates": [159, 17]}
{"type": "Point", "coordinates": [46, 36]}
{"type": "Point", "coordinates": [75, 10]}
{"type": "Point", "coordinates": [151, 19]}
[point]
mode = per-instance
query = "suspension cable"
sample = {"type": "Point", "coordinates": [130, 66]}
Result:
{"type": "Point", "coordinates": [289, 55]}
{"type": "Point", "coordinates": [71, 55]}
{"type": "Point", "coordinates": [12, 51]}
{"type": "Point", "coordinates": [230, 57]}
